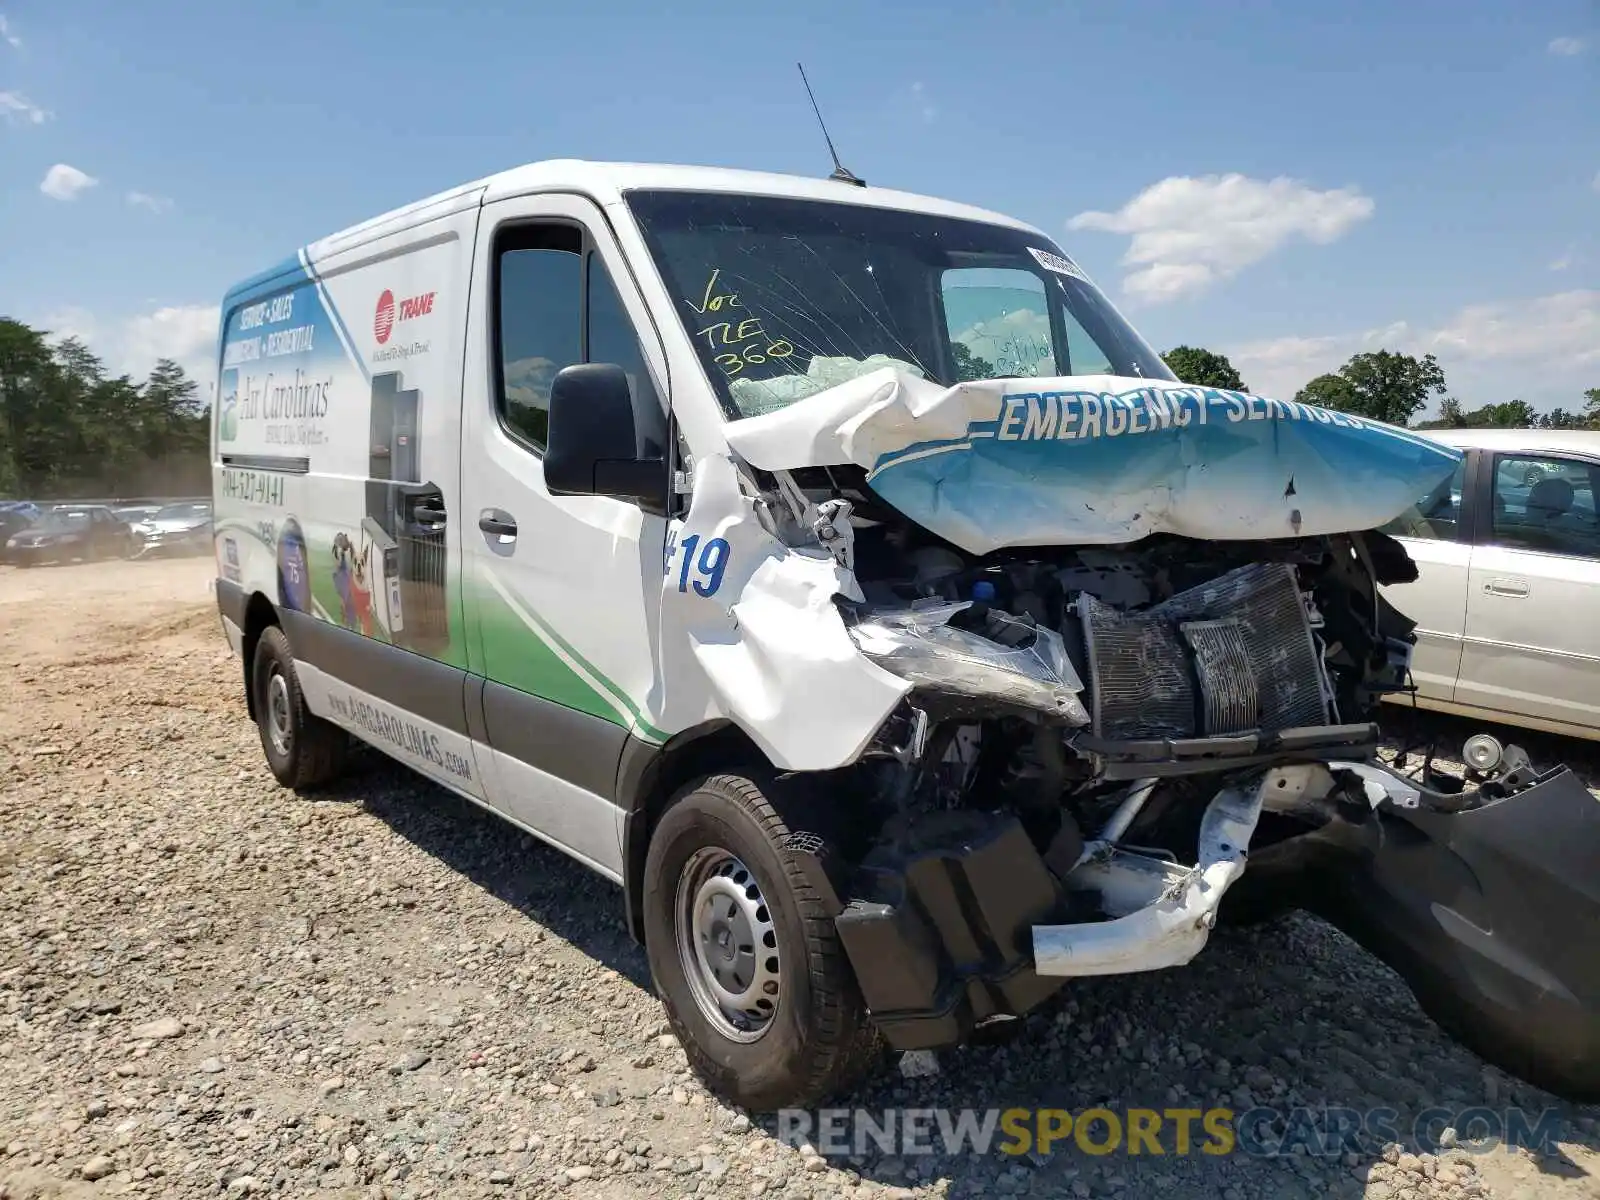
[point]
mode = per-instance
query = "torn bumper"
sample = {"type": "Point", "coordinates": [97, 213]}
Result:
{"type": "Point", "coordinates": [1491, 916]}
{"type": "Point", "coordinates": [1162, 912]}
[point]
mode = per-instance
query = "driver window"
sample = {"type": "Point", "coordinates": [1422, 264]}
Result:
{"type": "Point", "coordinates": [539, 316]}
{"type": "Point", "coordinates": [998, 320]}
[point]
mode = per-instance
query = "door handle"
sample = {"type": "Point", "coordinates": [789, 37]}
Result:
{"type": "Point", "coordinates": [1507, 587]}
{"type": "Point", "coordinates": [497, 524]}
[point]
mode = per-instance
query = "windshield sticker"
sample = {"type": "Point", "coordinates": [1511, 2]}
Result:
{"type": "Point", "coordinates": [1059, 263]}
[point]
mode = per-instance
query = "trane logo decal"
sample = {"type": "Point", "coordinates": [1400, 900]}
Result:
{"type": "Point", "coordinates": [389, 312]}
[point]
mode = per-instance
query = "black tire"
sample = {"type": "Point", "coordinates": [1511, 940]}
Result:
{"type": "Point", "coordinates": [312, 751]}
{"type": "Point", "coordinates": [818, 1040]}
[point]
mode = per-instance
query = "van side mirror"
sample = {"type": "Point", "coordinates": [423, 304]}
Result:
{"type": "Point", "coordinates": [597, 444]}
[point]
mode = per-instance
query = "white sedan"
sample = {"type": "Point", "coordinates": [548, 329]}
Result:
{"type": "Point", "coordinates": [1507, 603]}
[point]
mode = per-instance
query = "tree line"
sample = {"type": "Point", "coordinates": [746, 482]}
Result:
{"type": "Point", "coordinates": [1390, 387]}
{"type": "Point", "coordinates": [69, 429]}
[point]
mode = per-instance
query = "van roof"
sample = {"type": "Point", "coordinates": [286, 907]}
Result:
{"type": "Point", "coordinates": [605, 182]}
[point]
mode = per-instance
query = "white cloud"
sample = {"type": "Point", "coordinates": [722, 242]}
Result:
{"type": "Point", "coordinates": [1191, 232]}
{"type": "Point", "coordinates": [17, 108]}
{"type": "Point", "coordinates": [1541, 349]}
{"type": "Point", "coordinates": [156, 204]}
{"type": "Point", "coordinates": [7, 36]}
{"type": "Point", "coordinates": [62, 182]}
{"type": "Point", "coordinates": [1559, 330]}
{"type": "Point", "coordinates": [923, 102]}
{"type": "Point", "coordinates": [1565, 47]}
{"type": "Point", "coordinates": [185, 333]}
{"type": "Point", "coordinates": [1282, 366]}
{"type": "Point", "coordinates": [1562, 263]}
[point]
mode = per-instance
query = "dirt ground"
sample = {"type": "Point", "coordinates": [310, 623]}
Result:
{"type": "Point", "coordinates": [210, 985]}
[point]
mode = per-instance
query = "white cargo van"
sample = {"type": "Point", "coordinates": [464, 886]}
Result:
{"type": "Point", "coordinates": [839, 573]}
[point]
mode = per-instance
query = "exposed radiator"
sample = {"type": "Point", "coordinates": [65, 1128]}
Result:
{"type": "Point", "coordinates": [1229, 656]}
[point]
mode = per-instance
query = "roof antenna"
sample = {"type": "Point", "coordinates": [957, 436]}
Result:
{"type": "Point", "coordinates": [840, 172]}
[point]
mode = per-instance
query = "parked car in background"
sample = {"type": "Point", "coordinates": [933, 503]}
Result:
{"type": "Point", "coordinates": [72, 531]}
{"type": "Point", "coordinates": [177, 528]}
{"type": "Point", "coordinates": [136, 514]}
{"type": "Point", "coordinates": [15, 517]}
{"type": "Point", "coordinates": [1507, 602]}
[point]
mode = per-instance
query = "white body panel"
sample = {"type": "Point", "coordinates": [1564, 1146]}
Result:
{"type": "Point", "coordinates": [1532, 644]}
{"type": "Point", "coordinates": [1437, 602]}
{"type": "Point", "coordinates": [439, 753]}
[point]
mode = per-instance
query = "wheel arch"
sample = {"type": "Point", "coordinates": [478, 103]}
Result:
{"type": "Point", "coordinates": [648, 777]}
{"type": "Point", "coordinates": [260, 614]}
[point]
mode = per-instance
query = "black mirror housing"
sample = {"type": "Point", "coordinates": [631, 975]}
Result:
{"type": "Point", "coordinates": [598, 445]}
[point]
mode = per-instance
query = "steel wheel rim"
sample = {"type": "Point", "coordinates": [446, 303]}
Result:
{"type": "Point", "coordinates": [727, 944]}
{"type": "Point", "coordinates": [279, 727]}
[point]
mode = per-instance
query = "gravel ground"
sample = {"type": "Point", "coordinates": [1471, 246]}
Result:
{"type": "Point", "coordinates": [209, 985]}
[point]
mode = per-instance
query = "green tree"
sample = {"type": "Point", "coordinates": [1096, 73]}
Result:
{"type": "Point", "coordinates": [67, 429]}
{"type": "Point", "coordinates": [1450, 416]}
{"type": "Point", "coordinates": [1510, 414]}
{"type": "Point", "coordinates": [968, 365]}
{"type": "Point", "coordinates": [1382, 385]}
{"type": "Point", "coordinates": [1204, 368]}
{"type": "Point", "coordinates": [1560, 418]}
{"type": "Point", "coordinates": [1329, 391]}
{"type": "Point", "coordinates": [1591, 406]}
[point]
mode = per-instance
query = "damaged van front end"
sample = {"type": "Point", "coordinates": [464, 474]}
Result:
{"type": "Point", "coordinates": [1070, 655]}
{"type": "Point", "coordinates": [1066, 660]}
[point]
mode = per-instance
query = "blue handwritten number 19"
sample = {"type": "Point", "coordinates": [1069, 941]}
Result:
{"type": "Point", "coordinates": [711, 564]}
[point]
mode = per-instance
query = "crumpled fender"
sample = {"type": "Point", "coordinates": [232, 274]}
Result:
{"type": "Point", "coordinates": [1100, 459]}
{"type": "Point", "coordinates": [750, 633]}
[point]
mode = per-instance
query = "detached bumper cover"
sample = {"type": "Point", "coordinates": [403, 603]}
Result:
{"type": "Point", "coordinates": [1492, 917]}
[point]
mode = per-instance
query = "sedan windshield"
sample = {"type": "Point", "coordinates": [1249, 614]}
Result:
{"type": "Point", "coordinates": [63, 522]}
{"type": "Point", "coordinates": [183, 514]}
{"type": "Point", "coordinates": [784, 297]}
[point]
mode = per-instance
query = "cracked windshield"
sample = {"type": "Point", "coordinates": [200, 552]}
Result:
{"type": "Point", "coordinates": [786, 297]}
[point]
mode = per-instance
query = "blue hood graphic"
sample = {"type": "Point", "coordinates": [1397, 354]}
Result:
{"type": "Point", "coordinates": [1101, 460]}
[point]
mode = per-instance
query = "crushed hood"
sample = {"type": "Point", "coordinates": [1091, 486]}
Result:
{"type": "Point", "coordinates": [1100, 459]}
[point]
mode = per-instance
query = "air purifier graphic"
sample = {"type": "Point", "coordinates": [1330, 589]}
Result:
{"type": "Point", "coordinates": [381, 554]}
{"type": "Point", "coordinates": [405, 523]}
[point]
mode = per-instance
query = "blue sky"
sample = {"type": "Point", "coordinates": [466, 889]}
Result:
{"type": "Point", "coordinates": [1289, 183]}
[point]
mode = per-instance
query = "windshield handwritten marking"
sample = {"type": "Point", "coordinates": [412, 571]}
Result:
{"type": "Point", "coordinates": [712, 300]}
{"type": "Point", "coordinates": [747, 343]}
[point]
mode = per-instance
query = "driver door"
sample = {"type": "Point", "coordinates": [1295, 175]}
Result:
{"type": "Point", "coordinates": [562, 592]}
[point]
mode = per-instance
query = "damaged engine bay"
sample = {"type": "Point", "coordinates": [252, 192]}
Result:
{"type": "Point", "coordinates": [1098, 739]}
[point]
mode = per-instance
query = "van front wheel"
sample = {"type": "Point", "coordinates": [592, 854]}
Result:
{"type": "Point", "coordinates": [302, 749]}
{"type": "Point", "coordinates": [744, 955]}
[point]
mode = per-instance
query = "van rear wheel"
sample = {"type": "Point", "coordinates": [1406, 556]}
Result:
{"type": "Point", "coordinates": [302, 749]}
{"type": "Point", "coordinates": [744, 956]}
